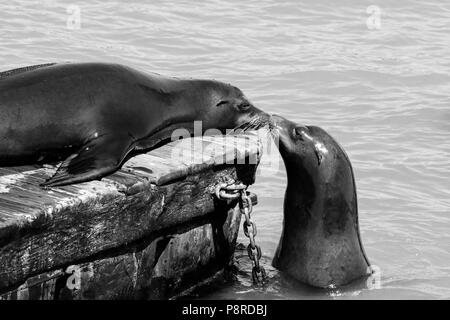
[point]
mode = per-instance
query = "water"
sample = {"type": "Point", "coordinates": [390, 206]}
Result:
{"type": "Point", "coordinates": [382, 90]}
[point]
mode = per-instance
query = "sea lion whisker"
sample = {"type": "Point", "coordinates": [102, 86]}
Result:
{"type": "Point", "coordinates": [237, 127]}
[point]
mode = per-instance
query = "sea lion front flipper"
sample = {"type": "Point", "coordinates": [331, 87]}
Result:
{"type": "Point", "coordinates": [95, 160]}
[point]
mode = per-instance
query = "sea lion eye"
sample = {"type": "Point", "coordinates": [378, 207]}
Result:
{"type": "Point", "coordinates": [221, 103]}
{"type": "Point", "coordinates": [244, 106]}
{"type": "Point", "coordinates": [298, 133]}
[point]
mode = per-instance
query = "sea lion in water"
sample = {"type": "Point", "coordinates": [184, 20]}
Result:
{"type": "Point", "coordinates": [94, 115]}
{"type": "Point", "coordinates": [320, 244]}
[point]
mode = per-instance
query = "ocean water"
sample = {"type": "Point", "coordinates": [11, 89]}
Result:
{"type": "Point", "coordinates": [375, 74]}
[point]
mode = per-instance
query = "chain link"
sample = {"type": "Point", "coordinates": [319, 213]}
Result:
{"type": "Point", "coordinates": [226, 191]}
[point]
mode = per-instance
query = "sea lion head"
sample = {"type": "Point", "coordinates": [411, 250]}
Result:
{"type": "Point", "coordinates": [320, 244]}
{"type": "Point", "coordinates": [226, 107]}
{"type": "Point", "coordinates": [307, 147]}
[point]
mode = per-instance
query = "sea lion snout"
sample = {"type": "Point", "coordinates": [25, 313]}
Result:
{"type": "Point", "coordinates": [289, 129]}
{"type": "Point", "coordinates": [254, 118]}
{"type": "Point", "coordinates": [291, 138]}
{"type": "Point", "coordinates": [233, 110]}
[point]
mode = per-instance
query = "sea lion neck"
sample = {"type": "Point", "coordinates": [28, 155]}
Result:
{"type": "Point", "coordinates": [298, 178]}
{"type": "Point", "coordinates": [330, 191]}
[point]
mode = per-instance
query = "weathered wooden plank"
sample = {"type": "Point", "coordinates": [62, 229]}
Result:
{"type": "Point", "coordinates": [43, 230]}
{"type": "Point", "coordinates": [152, 269]}
{"type": "Point", "coordinates": [159, 167]}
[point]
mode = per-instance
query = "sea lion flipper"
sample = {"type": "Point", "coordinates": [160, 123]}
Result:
{"type": "Point", "coordinates": [95, 160]}
{"type": "Point", "coordinates": [86, 170]}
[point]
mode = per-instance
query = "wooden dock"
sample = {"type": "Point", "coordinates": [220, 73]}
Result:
{"type": "Point", "coordinates": [152, 230]}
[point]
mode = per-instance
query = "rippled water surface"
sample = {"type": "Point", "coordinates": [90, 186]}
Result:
{"type": "Point", "coordinates": [382, 90]}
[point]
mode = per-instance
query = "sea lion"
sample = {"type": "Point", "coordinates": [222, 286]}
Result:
{"type": "Point", "coordinates": [320, 244]}
{"type": "Point", "coordinates": [94, 115]}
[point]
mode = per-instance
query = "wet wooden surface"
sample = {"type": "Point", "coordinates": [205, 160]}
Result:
{"type": "Point", "coordinates": [169, 188]}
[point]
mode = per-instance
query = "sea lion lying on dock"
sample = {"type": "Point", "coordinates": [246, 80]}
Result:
{"type": "Point", "coordinates": [94, 115]}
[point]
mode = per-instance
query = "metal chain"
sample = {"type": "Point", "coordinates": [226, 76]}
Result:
{"type": "Point", "coordinates": [234, 191]}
